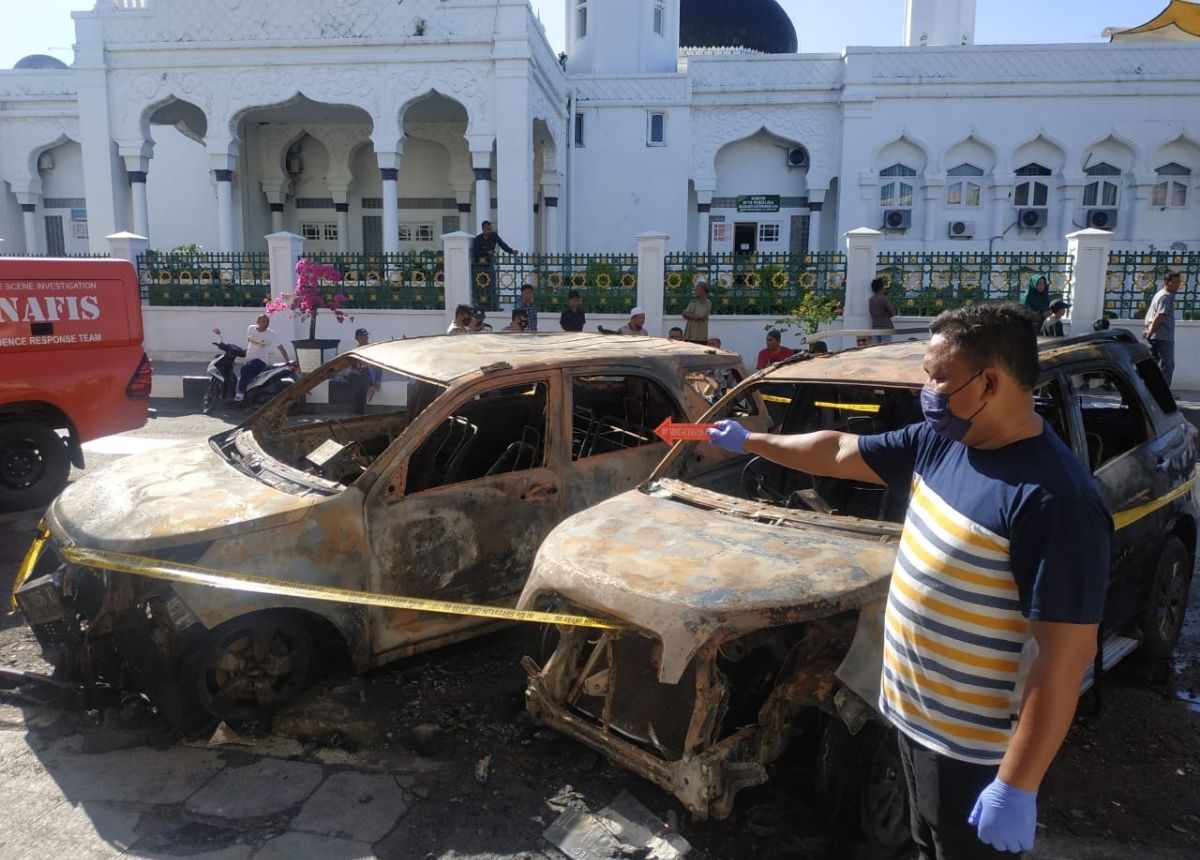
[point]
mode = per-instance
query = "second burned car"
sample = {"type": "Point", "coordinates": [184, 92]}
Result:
{"type": "Point", "coordinates": [753, 595]}
{"type": "Point", "coordinates": [447, 496]}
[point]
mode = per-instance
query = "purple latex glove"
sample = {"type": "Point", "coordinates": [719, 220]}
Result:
{"type": "Point", "coordinates": [729, 435]}
{"type": "Point", "coordinates": [1005, 817]}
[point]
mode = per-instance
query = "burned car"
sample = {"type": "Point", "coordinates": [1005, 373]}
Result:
{"type": "Point", "coordinates": [753, 594]}
{"type": "Point", "coordinates": [498, 438]}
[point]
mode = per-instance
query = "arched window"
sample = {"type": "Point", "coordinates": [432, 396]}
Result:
{"type": "Point", "coordinates": [962, 191]}
{"type": "Point", "coordinates": [660, 17]}
{"type": "Point", "coordinates": [1031, 192]}
{"type": "Point", "coordinates": [1172, 190]}
{"type": "Point", "coordinates": [1102, 192]}
{"type": "Point", "coordinates": [896, 193]}
{"type": "Point", "coordinates": [580, 19]}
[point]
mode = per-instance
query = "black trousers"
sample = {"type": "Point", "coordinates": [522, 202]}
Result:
{"type": "Point", "coordinates": [941, 794]}
{"type": "Point", "coordinates": [250, 369]}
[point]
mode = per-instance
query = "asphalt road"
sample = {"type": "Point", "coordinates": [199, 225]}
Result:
{"type": "Point", "coordinates": [349, 773]}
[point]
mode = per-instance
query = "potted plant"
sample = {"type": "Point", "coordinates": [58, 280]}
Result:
{"type": "Point", "coordinates": [312, 281]}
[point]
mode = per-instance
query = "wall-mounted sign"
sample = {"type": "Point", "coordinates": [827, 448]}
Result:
{"type": "Point", "coordinates": [758, 203]}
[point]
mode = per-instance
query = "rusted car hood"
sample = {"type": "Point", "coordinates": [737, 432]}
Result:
{"type": "Point", "coordinates": [688, 574]}
{"type": "Point", "coordinates": [170, 497]}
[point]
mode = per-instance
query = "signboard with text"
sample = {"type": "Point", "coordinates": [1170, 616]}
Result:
{"type": "Point", "coordinates": [758, 203]}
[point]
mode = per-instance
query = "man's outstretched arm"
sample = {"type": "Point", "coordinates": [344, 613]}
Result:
{"type": "Point", "coordinates": [826, 452]}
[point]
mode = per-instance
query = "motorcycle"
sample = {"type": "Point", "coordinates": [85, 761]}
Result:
{"type": "Point", "coordinates": [224, 376]}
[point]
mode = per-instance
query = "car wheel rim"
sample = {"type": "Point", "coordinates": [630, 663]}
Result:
{"type": "Point", "coordinates": [252, 670]}
{"type": "Point", "coordinates": [1170, 600]}
{"type": "Point", "coordinates": [21, 464]}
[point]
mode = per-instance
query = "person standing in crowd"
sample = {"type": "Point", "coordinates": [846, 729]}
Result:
{"type": "Point", "coordinates": [1052, 325]}
{"type": "Point", "coordinates": [675, 333]}
{"type": "Point", "coordinates": [483, 260]}
{"type": "Point", "coordinates": [1100, 324]}
{"type": "Point", "coordinates": [462, 320]}
{"type": "Point", "coordinates": [774, 351]}
{"type": "Point", "coordinates": [636, 324]}
{"type": "Point", "coordinates": [478, 321]}
{"type": "Point", "coordinates": [999, 584]}
{"type": "Point", "coordinates": [364, 378]}
{"type": "Point", "coordinates": [1160, 324]}
{"type": "Point", "coordinates": [1037, 297]}
{"type": "Point", "coordinates": [572, 318]}
{"type": "Point", "coordinates": [697, 313]}
{"type": "Point", "coordinates": [260, 337]}
{"type": "Point", "coordinates": [519, 321]}
{"type": "Point", "coordinates": [881, 309]}
{"type": "Point", "coordinates": [526, 304]}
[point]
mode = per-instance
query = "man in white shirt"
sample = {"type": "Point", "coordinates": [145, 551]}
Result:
{"type": "Point", "coordinates": [259, 340]}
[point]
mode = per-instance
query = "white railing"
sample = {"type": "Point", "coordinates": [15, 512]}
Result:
{"type": "Point", "coordinates": [131, 5]}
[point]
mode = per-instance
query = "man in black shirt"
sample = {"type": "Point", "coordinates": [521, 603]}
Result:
{"type": "Point", "coordinates": [572, 317]}
{"type": "Point", "coordinates": [483, 250]}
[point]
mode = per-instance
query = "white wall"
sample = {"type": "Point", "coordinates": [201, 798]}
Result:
{"type": "Point", "coordinates": [181, 196]}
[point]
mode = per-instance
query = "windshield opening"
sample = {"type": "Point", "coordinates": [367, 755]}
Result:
{"type": "Point", "coordinates": [315, 427]}
{"type": "Point", "coordinates": [803, 408]}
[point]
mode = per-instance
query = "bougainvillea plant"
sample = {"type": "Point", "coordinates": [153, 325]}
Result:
{"type": "Point", "coordinates": [313, 280]}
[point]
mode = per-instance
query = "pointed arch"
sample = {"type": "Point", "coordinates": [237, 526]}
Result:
{"type": "Point", "coordinates": [973, 150]}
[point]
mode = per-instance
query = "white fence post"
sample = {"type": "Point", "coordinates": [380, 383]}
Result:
{"type": "Point", "coordinates": [861, 264]}
{"type": "Point", "coordinates": [456, 271]}
{"type": "Point", "coordinates": [1088, 250]}
{"type": "Point", "coordinates": [284, 250]}
{"type": "Point", "coordinates": [126, 246]}
{"type": "Point", "coordinates": [652, 274]}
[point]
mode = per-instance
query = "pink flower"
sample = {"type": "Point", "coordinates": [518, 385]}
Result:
{"type": "Point", "coordinates": [309, 296]}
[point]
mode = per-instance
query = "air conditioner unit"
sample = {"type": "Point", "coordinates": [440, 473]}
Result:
{"type": "Point", "coordinates": [797, 157]}
{"type": "Point", "coordinates": [1102, 219]}
{"type": "Point", "coordinates": [1032, 219]}
{"type": "Point", "coordinates": [897, 219]}
{"type": "Point", "coordinates": [962, 229]}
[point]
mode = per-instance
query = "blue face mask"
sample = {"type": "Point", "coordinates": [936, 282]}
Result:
{"type": "Point", "coordinates": [936, 407]}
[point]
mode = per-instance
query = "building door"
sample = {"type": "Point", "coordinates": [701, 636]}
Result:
{"type": "Point", "coordinates": [372, 234]}
{"type": "Point", "coordinates": [798, 237]}
{"type": "Point", "coordinates": [55, 245]}
{"type": "Point", "coordinates": [745, 237]}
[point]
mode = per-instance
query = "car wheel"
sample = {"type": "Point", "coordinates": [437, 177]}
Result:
{"type": "Point", "coordinates": [861, 781]}
{"type": "Point", "coordinates": [34, 465]}
{"type": "Point", "coordinates": [212, 396]}
{"type": "Point", "coordinates": [1162, 616]}
{"type": "Point", "coordinates": [252, 666]}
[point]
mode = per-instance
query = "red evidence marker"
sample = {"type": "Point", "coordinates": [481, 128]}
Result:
{"type": "Point", "coordinates": [671, 433]}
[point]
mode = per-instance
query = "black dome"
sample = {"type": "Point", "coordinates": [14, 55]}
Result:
{"type": "Point", "coordinates": [40, 61]}
{"type": "Point", "coordinates": [757, 25]}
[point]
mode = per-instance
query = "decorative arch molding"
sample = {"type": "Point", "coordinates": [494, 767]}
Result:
{"type": "Point", "coordinates": [1105, 148]}
{"type": "Point", "coordinates": [899, 142]}
{"type": "Point", "coordinates": [968, 150]}
{"type": "Point", "coordinates": [24, 140]}
{"type": "Point", "coordinates": [453, 140]}
{"type": "Point", "coordinates": [468, 85]}
{"type": "Point", "coordinates": [815, 127]}
{"type": "Point", "coordinates": [1182, 145]}
{"type": "Point", "coordinates": [143, 93]}
{"type": "Point", "coordinates": [1035, 149]}
{"type": "Point", "coordinates": [341, 142]}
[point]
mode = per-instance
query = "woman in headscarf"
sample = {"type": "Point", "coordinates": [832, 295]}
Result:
{"type": "Point", "coordinates": [1037, 297]}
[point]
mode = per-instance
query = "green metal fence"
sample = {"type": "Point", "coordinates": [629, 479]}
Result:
{"type": "Point", "coordinates": [203, 279]}
{"type": "Point", "coordinates": [607, 283]}
{"type": "Point", "coordinates": [1134, 276]}
{"type": "Point", "coordinates": [749, 284]}
{"type": "Point", "coordinates": [926, 283]}
{"type": "Point", "coordinates": [413, 280]}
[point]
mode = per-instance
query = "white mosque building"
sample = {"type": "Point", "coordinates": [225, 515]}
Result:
{"type": "Point", "coordinates": [376, 125]}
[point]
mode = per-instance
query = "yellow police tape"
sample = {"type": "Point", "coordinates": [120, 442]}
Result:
{"type": "Point", "coordinates": [1129, 516]}
{"type": "Point", "coordinates": [189, 574]}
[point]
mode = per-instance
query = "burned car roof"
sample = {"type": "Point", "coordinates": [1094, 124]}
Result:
{"type": "Point", "coordinates": [446, 359]}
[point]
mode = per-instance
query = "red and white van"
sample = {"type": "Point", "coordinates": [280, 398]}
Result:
{"type": "Point", "coordinates": [72, 368]}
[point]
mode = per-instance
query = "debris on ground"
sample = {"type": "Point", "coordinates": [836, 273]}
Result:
{"type": "Point", "coordinates": [482, 767]}
{"type": "Point", "coordinates": [224, 735]}
{"type": "Point", "coordinates": [624, 829]}
{"type": "Point", "coordinates": [426, 739]}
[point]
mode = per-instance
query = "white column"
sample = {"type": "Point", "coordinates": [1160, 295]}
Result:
{"type": "Point", "coordinates": [456, 249]}
{"type": "Point", "coordinates": [389, 171]}
{"type": "Point", "coordinates": [652, 275]}
{"type": "Point", "coordinates": [341, 205]}
{"type": "Point", "coordinates": [704, 221]}
{"type": "Point", "coordinates": [102, 184]}
{"type": "Point", "coordinates": [29, 206]}
{"type": "Point", "coordinates": [276, 217]}
{"type": "Point", "coordinates": [126, 246]}
{"type": "Point", "coordinates": [514, 154]}
{"type": "Point", "coordinates": [481, 163]}
{"type": "Point", "coordinates": [553, 244]}
{"type": "Point", "coordinates": [1139, 194]}
{"type": "Point", "coordinates": [1071, 193]}
{"type": "Point", "coordinates": [462, 200]}
{"type": "Point", "coordinates": [1089, 271]}
{"type": "Point", "coordinates": [141, 209]}
{"type": "Point", "coordinates": [861, 259]}
{"type": "Point", "coordinates": [223, 167]}
{"type": "Point", "coordinates": [931, 211]}
{"type": "Point", "coordinates": [814, 225]}
{"type": "Point", "coordinates": [1003, 214]}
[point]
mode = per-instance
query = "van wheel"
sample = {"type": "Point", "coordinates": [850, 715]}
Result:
{"type": "Point", "coordinates": [861, 780]}
{"type": "Point", "coordinates": [1162, 616]}
{"type": "Point", "coordinates": [34, 465]}
{"type": "Point", "coordinates": [252, 666]}
{"type": "Point", "coordinates": [212, 396]}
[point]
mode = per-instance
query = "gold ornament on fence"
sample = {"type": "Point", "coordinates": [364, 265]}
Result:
{"type": "Point", "coordinates": [418, 277]}
{"type": "Point", "coordinates": [628, 281]}
{"type": "Point", "coordinates": [555, 280]}
{"type": "Point", "coordinates": [604, 280]}
{"type": "Point", "coordinates": [779, 279]}
{"type": "Point", "coordinates": [808, 280]}
{"type": "Point", "coordinates": [483, 279]}
{"type": "Point", "coordinates": [674, 280]}
{"type": "Point", "coordinates": [578, 280]}
{"type": "Point", "coordinates": [753, 280]}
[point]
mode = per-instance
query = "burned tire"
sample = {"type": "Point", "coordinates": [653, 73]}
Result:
{"type": "Point", "coordinates": [1162, 616]}
{"type": "Point", "coordinates": [252, 666]}
{"type": "Point", "coordinates": [861, 780]}
{"type": "Point", "coordinates": [34, 465]}
{"type": "Point", "coordinates": [212, 396]}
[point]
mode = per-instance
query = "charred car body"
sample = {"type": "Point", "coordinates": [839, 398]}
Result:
{"type": "Point", "coordinates": [447, 497]}
{"type": "Point", "coordinates": [754, 594]}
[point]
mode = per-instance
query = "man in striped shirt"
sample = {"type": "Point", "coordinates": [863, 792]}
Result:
{"type": "Point", "coordinates": [998, 587]}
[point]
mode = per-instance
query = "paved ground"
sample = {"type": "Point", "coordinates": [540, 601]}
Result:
{"type": "Point", "coordinates": [391, 764]}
